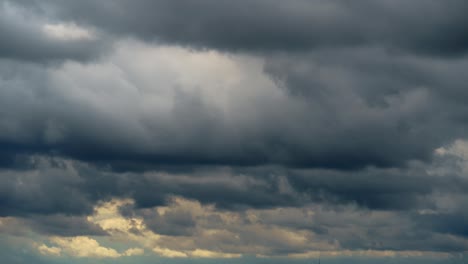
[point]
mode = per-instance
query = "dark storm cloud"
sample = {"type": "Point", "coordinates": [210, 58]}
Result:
{"type": "Point", "coordinates": [45, 192]}
{"type": "Point", "coordinates": [449, 223]}
{"type": "Point", "coordinates": [342, 108]}
{"type": "Point", "coordinates": [345, 107]}
{"type": "Point", "coordinates": [62, 225]}
{"type": "Point", "coordinates": [24, 37]}
{"type": "Point", "coordinates": [421, 27]}
{"type": "Point", "coordinates": [394, 189]}
{"type": "Point", "coordinates": [238, 191]}
{"type": "Point", "coordinates": [345, 113]}
{"type": "Point", "coordinates": [369, 97]}
{"type": "Point", "coordinates": [371, 188]}
{"type": "Point", "coordinates": [429, 27]}
{"type": "Point", "coordinates": [53, 186]}
{"type": "Point", "coordinates": [174, 223]}
{"type": "Point", "coordinates": [382, 209]}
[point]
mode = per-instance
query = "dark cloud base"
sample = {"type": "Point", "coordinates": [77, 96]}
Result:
{"type": "Point", "coordinates": [425, 27]}
{"type": "Point", "coordinates": [53, 195]}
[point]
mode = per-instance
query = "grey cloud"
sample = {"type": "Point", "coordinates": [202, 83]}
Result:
{"type": "Point", "coordinates": [62, 225]}
{"type": "Point", "coordinates": [53, 186]}
{"type": "Point", "coordinates": [345, 109]}
{"type": "Point", "coordinates": [377, 100]}
{"type": "Point", "coordinates": [24, 38]}
{"type": "Point", "coordinates": [46, 191]}
{"type": "Point", "coordinates": [174, 223]}
{"type": "Point", "coordinates": [331, 116]}
{"type": "Point", "coordinates": [320, 228]}
{"type": "Point", "coordinates": [377, 189]}
{"type": "Point", "coordinates": [448, 216]}
{"type": "Point", "coordinates": [447, 223]}
{"type": "Point", "coordinates": [357, 229]}
{"type": "Point", "coordinates": [426, 27]}
{"type": "Point", "coordinates": [374, 211]}
{"type": "Point", "coordinates": [329, 106]}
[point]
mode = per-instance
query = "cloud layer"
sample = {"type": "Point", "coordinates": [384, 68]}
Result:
{"type": "Point", "coordinates": [221, 129]}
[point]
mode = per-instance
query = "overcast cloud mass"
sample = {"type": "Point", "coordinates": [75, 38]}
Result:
{"type": "Point", "coordinates": [256, 131]}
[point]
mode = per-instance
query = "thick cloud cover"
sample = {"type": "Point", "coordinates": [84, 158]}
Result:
{"type": "Point", "coordinates": [343, 109]}
{"type": "Point", "coordinates": [218, 129]}
{"type": "Point", "coordinates": [430, 27]}
{"type": "Point", "coordinates": [343, 106]}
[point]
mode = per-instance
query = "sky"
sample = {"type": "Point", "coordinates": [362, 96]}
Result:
{"type": "Point", "coordinates": [238, 132]}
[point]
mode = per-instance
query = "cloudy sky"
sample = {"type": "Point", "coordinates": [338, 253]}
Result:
{"type": "Point", "coordinates": [241, 132]}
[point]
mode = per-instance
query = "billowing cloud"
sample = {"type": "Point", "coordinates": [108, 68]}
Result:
{"type": "Point", "coordinates": [134, 130]}
{"type": "Point", "coordinates": [161, 101]}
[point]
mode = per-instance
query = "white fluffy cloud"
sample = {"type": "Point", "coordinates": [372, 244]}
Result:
{"type": "Point", "coordinates": [83, 247]}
